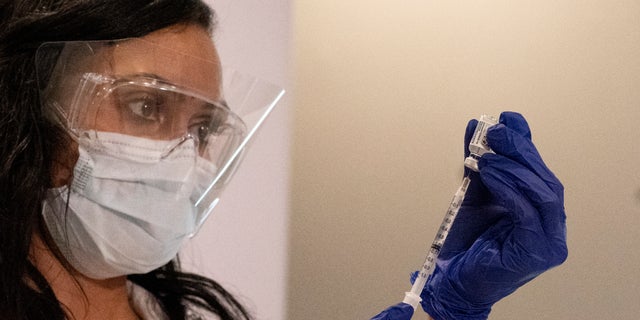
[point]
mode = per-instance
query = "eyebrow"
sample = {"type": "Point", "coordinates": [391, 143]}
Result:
{"type": "Point", "coordinates": [147, 75]}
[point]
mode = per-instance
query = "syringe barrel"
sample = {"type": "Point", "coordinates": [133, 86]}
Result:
{"type": "Point", "coordinates": [426, 270]}
{"type": "Point", "coordinates": [413, 297]}
{"type": "Point", "coordinates": [432, 256]}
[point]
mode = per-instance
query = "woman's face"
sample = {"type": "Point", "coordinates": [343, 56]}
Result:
{"type": "Point", "coordinates": [184, 56]}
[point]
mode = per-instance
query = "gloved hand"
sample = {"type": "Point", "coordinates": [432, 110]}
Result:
{"type": "Point", "coordinates": [510, 227]}
{"type": "Point", "coordinates": [400, 311]}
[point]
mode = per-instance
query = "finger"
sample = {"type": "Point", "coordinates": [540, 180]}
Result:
{"type": "Point", "coordinates": [516, 122]}
{"type": "Point", "coordinates": [516, 188]}
{"type": "Point", "coordinates": [468, 134]}
{"type": "Point", "coordinates": [477, 193]}
{"type": "Point", "coordinates": [469, 225]}
{"type": "Point", "coordinates": [400, 311]}
{"type": "Point", "coordinates": [512, 144]}
{"type": "Point", "coordinates": [524, 248]}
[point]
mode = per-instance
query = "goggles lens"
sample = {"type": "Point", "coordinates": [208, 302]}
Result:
{"type": "Point", "coordinates": [149, 108]}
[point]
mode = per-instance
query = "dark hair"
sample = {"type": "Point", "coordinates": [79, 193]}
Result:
{"type": "Point", "coordinates": [29, 145]}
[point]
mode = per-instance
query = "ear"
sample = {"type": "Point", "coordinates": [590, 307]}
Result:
{"type": "Point", "coordinates": [64, 160]}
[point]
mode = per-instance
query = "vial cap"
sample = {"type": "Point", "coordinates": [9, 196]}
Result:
{"type": "Point", "coordinates": [471, 163]}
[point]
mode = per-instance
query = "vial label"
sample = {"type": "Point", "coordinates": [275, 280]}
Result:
{"type": "Point", "coordinates": [479, 145]}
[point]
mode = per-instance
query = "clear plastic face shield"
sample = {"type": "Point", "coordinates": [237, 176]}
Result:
{"type": "Point", "coordinates": [168, 113]}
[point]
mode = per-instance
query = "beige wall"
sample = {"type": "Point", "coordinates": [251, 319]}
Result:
{"type": "Point", "coordinates": [383, 91]}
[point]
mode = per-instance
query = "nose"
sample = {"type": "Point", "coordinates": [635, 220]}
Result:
{"type": "Point", "coordinates": [181, 116]}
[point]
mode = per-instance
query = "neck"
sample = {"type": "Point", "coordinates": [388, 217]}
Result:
{"type": "Point", "coordinates": [80, 296]}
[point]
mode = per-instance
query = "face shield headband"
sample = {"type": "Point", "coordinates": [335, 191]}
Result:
{"type": "Point", "coordinates": [174, 118]}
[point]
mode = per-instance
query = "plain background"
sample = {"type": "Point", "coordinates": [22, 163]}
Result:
{"type": "Point", "coordinates": [380, 95]}
{"type": "Point", "coordinates": [383, 92]}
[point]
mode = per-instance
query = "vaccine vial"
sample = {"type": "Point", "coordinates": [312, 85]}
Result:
{"type": "Point", "coordinates": [478, 144]}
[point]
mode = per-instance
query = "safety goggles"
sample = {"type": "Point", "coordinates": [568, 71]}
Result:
{"type": "Point", "coordinates": [179, 103]}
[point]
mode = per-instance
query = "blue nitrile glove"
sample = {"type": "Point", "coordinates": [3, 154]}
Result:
{"type": "Point", "coordinates": [510, 227]}
{"type": "Point", "coordinates": [400, 311]}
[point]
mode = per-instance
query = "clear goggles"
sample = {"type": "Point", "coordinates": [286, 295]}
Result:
{"type": "Point", "coordinates": [169, 107]}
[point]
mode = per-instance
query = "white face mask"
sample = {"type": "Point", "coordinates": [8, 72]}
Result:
{"type": "Point", "coordinates": [127, 212]}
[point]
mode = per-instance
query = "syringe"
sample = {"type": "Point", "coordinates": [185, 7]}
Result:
{"type": "Point", "coordinates": [477, 147]}
{"type": "Point", "coordinates": [413, 297]}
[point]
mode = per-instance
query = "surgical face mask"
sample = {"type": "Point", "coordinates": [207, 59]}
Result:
{"type": "Point", "coordinates": [122, 216]}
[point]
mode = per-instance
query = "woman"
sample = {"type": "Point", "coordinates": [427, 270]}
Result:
{"type": "Point", "coordinates": [114, 151]}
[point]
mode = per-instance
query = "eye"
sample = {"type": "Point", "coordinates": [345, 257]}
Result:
{"type": "Point", "coordinates": [203, 131]}
{"type": "Point", "coordinates": [208, 125]}
{"type": "Point", "coordinates": [145, 105]}
{"type": "Point", "coordinates": [141, 104]}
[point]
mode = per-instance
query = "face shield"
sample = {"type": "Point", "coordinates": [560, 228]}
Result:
{"type": "Point", "coordinates": [165, 113]}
